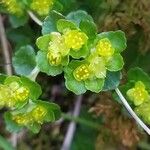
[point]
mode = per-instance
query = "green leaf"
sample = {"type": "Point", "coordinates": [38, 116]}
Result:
{"type": "Point", "coordinates": [78, 16]}
{"type": "Point", "coordinates": [112, 80]}
{"type": "Point", "coordinates": [16, 36]}
{"type": "Point", "coordinates": [63, 24]}
{"type": "Point", "coordinates": [2, 78]}
{"type": "Point", "coordinates": [11, 79]}
{"type": "Point", "coordinates": [115, 63]}
{"type": "Point", "coordinates": [11, 126]}
{"type": "Point", "coordinates": [43, 42]}
{"type": "Point", "coordinates": [5, 144]}
{"type": "Point", "coordinates": [89, 28]}
{"type": "Point", "coordinates": [45, 67]}
{"type": "Point", "coordinates": [82, 53]}
{"type": "Point", "coordinates": [71, 83]}
{"type": "Point", "coordinates": [24, 60]}
{"type": "Point", "coordinates": [94, 85]}
{"type": "Point", "coordinates": [49, 24]}
{"type": "Point", "coordinates": [117, 38]}
{"type": "Point", "coordinates": [18, 21]}
{"type": "Point", "coordinates": [34, 88]}
{"type": "Point", "coordinates": [137, 74]}
{"type": "Point", "coordinates": [35, 127]}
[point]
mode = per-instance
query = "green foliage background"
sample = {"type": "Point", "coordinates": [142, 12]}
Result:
{"type": "Point", "coordinates": [132, 17]}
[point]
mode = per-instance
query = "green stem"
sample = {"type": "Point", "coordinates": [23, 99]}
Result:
{"type": "Point", "coordinates": [34, 73]}
{"type": "Point", "coordinates": [4, 144]}
{"type": "Point", "coordinates": [81, 121]}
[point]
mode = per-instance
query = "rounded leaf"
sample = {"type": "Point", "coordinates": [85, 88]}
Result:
{"type": "Point", "coordinates": [64, 24]}
{"type": "Point", "coordinates": [43, 42]}
{"type": "Point", "coordinates": [94, 85]}
{"type": "Point", "coordinates": [115, 63]}
{"type": "Point", "coordinates": [24, 60]}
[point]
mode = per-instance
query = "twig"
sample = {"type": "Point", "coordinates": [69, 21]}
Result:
{"type": "Point", "coordinates": [132, 113]}
{"type": "Point", "coordinates": [72, 126]}
{"type": "Point", "coordinates": [5, 49]}
{"type": "Point", "coordinates": [34, 18]}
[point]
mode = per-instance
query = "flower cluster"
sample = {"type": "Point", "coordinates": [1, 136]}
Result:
{"type": "Point", "coordinates": [93, 69]}
{"type": "Point", "coordinates": [137, 92]}
{"type": "Point", "coordinates": [93, 55]}
{"type": "Point", "coordinates": [13, 94]}
{"type": "Point", "coordinates": [56, 48]}
{"type": "Point", "coordinates": [141, 99]}
{"type": "Point", "coordinates": [20, 95]}
{"type": "Point", "coordinates": [42, 7]}
{"type": "Point", "coordinates": [37, 115]}
{"type": "Point", "coordinates": [13, 7]}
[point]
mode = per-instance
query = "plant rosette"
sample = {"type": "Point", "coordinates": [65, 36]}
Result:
{"type": "Point", "coordinates": [32, 116]}
{"type": "Point", "coordinates": [15, 92]}
{"type": "Point", "coordinates": [137, 92]}
{"type": "Point", "coordinates": [90, 73]}
{"type": "Point", "coordinates": [56, 47]}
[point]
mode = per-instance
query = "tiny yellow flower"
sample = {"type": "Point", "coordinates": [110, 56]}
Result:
{"type": "Point", "coordinates": [13, 7]}
{"type": "Point", "coordinates": [54, 59]}
{"type": "Point", "coordinates": [97, 66]}
{"type": "Point", "coordinates": [82, 72]}
{"type": "Point", "coordinates": [75, 39]}
{"type": "Point", "coordinates": [21, 94]}
{"type": "Point", "coordinates": [57, 44]}
{"type": "Point", "coordinates": [6, 98]}
{"type": "Point", "coordinates": [104, 48]}
{"type": "Point", "coordinates": [138, 94]}
{"type": "Point", "coordinates": [21, 119]}
{"type": "Point", "coordinates": [39, 113]}
{"type": "Point", "coordinates": [42, 7]}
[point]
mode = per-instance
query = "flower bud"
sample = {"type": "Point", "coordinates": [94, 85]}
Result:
{"type": "Point", "coordinates": [104, 48]}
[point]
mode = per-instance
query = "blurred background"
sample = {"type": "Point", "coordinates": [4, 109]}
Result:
{"type": "Point", "coordinates": [103, 123]}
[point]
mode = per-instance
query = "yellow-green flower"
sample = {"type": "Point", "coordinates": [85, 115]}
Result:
{"type": "Point", "coordinates": [42, 7]}
{"type": "Point", "coordinates": [75, 39]}
{"type": "Point", "coordinates": [12, 94]}
{"type": "Point", "coordinates": [57, 49]}
{"type": "Point", "coordinates": [22, 119]}
{"type": "Point", "coordinates": [5, 95]}
{"type": "Point", "coordinates": [93, 68]}
{"type": "Point", "coordinates": [13, 7]}
{"type": "Point", "coordinates": [97, 65]}
{"type": "Point", "coordinates": [21, 94]}
{"type": "Point", "coordinates": [104, 48]}
{"type": "Point", "coordinates": [138, 94]}
{"type": "Point", "coordinates": [54, 58]}
{"type": "Point", "coordinates": [38, 114]}
{"type": "Point", "coordinates": [82, 72]}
